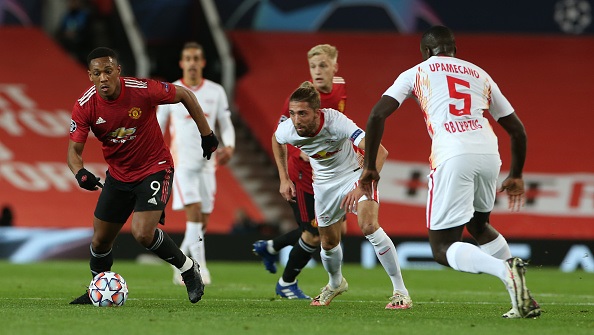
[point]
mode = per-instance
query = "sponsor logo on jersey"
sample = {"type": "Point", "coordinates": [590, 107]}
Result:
{"type": "Point", "coordinates": [135, 113]}
{"type": "Point", "coordinates": [324, 154]}
{"type": "Point", "coordinates": [100, 120]}
{"type": "Point", "coordinates": [122, 135]}
{"type": "Point", "coordinates": [72, 126]}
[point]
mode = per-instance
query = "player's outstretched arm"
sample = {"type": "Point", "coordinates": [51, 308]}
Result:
{"type": "Point", "coordinates": [375, 129]}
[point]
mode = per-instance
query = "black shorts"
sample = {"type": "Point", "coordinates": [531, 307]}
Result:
{"type": "Point", "coordinates": [118, 199]}
{"type": "Point", "coordinates": [304, 211]}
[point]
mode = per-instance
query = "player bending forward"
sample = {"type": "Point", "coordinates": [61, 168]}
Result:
{"type": "Point", "coordinates": [327, 137]}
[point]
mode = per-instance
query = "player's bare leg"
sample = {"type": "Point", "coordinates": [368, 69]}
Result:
{"type": "Point", "coordinates": [487, 237]}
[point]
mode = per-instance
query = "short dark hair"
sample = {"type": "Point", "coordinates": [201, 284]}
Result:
{"type": "Point", "coordinates": [439, 39]}
{"type": "Point", "coordinates": [101, 52]}
{"type": "Point", "coordinates": [307, 93]}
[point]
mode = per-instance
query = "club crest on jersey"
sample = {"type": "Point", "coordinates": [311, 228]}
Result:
{"type": "Point", "coordinates": [135, 113]}
{"type": "Point", "coordinates": [122, 135]}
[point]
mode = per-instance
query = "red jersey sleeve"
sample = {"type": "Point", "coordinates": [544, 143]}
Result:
{"type": "Point", "coordinates": [160, 92]}
{"type": "Point", "coordinates": [80, 124]}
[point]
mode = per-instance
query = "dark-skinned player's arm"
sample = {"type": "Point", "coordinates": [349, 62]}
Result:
{"type": "Point", "coordinates": [513, 185]}
{"type": "Point", "coordinates": [84, 177]}
{"type": "Point", "coordinates": [373, 136]}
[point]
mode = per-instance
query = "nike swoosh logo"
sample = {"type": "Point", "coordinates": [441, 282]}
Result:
{"type": "Point", "coordinates": [383, 253]}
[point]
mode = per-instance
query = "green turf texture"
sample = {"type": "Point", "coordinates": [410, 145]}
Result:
{"type": "Point", "coordinates": [34, 300]}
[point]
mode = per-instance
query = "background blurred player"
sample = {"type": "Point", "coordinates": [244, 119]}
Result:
{"type": "Point", "coordinates": [194, 185]}
{"type": "Point", "coordinates": [328, 138]}
{"type": "Point", "coordinates": [121, 113]}
{"type": "Point", "coordinates": [453, 95]}
{"type": "Point", "coordinates": [322, 61]}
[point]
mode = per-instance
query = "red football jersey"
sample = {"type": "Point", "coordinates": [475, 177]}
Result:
{"type": "Point", "coordinates": [299, 170]}
{"type": "Point", "coordinates": [132, 142]}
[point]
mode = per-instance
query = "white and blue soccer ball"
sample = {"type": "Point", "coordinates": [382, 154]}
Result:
{"type": "Point", "coordinates": [108, 289]}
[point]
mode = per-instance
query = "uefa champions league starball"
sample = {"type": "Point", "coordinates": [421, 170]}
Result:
{"type": "Point", "coordinates": [108, 289]}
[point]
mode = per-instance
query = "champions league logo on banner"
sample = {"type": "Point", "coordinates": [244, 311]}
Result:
{"type": "Point", "coordinates": [573, 16]}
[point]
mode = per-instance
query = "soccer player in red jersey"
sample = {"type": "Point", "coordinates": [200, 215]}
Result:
{"type": "Point", "coordinates": [121, 113]}
{"type": "Point", "coordinates": [305, 239]}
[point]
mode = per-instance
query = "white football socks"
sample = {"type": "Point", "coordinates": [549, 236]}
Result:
{"type": "Point", "coordinates": [497, 248]}
{"type": "Point", "coordinates": [332, 261]}
{"type": "Point", "coordinates": [386, 253]}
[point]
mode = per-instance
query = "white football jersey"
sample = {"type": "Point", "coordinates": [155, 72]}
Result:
{"type": "Point", "coordinates": [331, 150]}
{"type": "Point", "coordinates": [453, 94]}
{"type": "Point", "coordinates": [185, 138]}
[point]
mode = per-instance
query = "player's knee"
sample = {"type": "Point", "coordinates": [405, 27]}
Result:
{"type": "Point", "coordinates": [439, 253]}
{"type": "Point", "coordinates": [478, 224]}
{"type": "Point", "coordinates": [144, 237]}
{"type": "Point", "coordinates": [310, 238]}
{"type": "Point", "coordinates": [368, 227]}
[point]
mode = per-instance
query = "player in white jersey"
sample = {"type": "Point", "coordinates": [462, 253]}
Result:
{"type": "Point", "coordinates": [194, 184]}
{"type": "Point", "coordinates": [327, 137]}
{"type": "Point", "coordinates": [453, 95]}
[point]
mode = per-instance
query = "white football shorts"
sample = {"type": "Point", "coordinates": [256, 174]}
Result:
{"type": "Point", "coordinates": [460, 186]}
{"type": "Point", "coordinates": [329, 194]}
{"type": "Point", "coordinates": [192, 186]}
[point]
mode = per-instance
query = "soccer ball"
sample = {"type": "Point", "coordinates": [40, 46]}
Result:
{"type": "Point", "coordinates": [108, 289]}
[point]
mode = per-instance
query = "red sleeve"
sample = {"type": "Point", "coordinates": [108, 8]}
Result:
{"type": "Point", "coordinates": [79, 125]}
{"type": "Point", "coordinates": [161, 92]}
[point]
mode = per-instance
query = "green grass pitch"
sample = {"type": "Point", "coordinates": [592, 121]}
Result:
{"type": "Point", "coordinates": [34, 300]}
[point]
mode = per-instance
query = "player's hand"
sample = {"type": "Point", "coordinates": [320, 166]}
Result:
{"type": "Point", "coordinates": [87, 180]}
{"type": "Point", "coordinates": [224, 155]}
{"type": "Point", "coordinates": [304, 157]}
{"type": "Point", "coordinates": [368, 182]}
{"type": "Point", "coordinates": [287, 190]}
{"type": "Point", "coordinates": [514, 187]}
{"type": "Point", "coordinates": [209, 144]}
{"type": "Point", "coordinates": [350, 201]}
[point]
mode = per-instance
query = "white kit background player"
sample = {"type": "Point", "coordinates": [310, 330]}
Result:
{"type": "Point", "coordinates": [328, 137]}
{"type": "Point", "coordinates": [194, 184]}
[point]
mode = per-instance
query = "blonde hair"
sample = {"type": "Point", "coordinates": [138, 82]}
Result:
{"type": "Point", "coordinates": [307, 92]}
{"type": "Point", "coordinates": [323, 49]}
